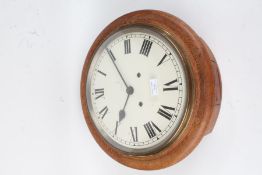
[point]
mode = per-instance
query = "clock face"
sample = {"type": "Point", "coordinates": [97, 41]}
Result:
{"type": "Point", "coordinates": [137, 90]}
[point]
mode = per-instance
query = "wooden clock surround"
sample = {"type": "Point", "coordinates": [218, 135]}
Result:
{"type": "Point", "coordinates": [205, 88]}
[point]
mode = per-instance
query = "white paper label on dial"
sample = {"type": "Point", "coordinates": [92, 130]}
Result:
{"type": "Point", "coordinates": [153, 87]}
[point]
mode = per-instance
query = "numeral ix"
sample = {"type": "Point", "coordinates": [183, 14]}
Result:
{"type": "Point", "coordinates": [99, 93]}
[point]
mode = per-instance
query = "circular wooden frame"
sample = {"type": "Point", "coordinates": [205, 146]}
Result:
{"type": "Point", "coordinates": [204, 77]}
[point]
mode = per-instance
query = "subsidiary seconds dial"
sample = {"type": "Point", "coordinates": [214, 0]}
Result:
{"type": "Point", "coordinates": [137, 90]}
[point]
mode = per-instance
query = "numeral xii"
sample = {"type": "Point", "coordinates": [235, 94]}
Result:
{"type": "Point", "coordinates": [146, 46]}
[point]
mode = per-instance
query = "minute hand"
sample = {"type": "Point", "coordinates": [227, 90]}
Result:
{"type": "Point", "coordinates": [112, 57]}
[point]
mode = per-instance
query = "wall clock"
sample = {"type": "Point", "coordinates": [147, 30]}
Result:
{"type": "Point", "coordinates": [150, 89]}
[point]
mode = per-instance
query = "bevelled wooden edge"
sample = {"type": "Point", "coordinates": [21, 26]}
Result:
{"type": "Point", "coordinates": [217, 88]}
{"type": "Point", "coordinates": [204, 79]}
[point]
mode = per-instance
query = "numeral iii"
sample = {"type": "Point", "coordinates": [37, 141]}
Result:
{"type": "Point", "coordinates": [169, 86]}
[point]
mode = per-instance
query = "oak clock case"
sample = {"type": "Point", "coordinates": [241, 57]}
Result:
{"type": "Point", "coordinates": [150, 89]}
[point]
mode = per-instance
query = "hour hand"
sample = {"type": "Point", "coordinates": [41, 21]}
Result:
{"type": "Point", "coordinates": [122, 113]}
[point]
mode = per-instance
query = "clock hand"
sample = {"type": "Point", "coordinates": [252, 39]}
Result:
{"type": "Point", "coordinates": [122, 113]}
{"type": "Point", "coordinates": [129, 89]}
{"type": "Point", "coordinates": [112, 57]}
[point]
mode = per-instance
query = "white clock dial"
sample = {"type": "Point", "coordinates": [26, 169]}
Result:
{"type": "Point", "coordinates": [137, 90]}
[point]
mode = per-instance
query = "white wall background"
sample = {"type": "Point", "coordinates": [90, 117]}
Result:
{"type": "Point", "coordinates": [43, 44]}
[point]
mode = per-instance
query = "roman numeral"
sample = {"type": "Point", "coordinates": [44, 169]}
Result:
{"type": "Point", "coordinates": [155, 126]}
{"type": "Point", "coordinates": [161, 61]}
{"type": "Point", "coordinates": [127, 46]}
{"type": "Point", "coordinates": [102, 73]}
{"type": "Point", "coordinates": [104, 111]}
{"type": "Point", "coordinates": [165, 112]}
{"type": "Point", "coordinates": [169, 87]}
{"type": "Point", "coordinates": [134, 133]}
{"type": "Point", "coordinates": [111, 55]}
{"type": "Point", "coordinates": [146, 46]}
{"type": "Point", "coordinates": [116, 127]}
{"type": "Point", "coordinates": [150, 128]}
{"type": "Point", "coordinates": [99, 93]}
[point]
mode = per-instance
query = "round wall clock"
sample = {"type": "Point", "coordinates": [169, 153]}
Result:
{"type": "Point", "coordinates": [150, 89]}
